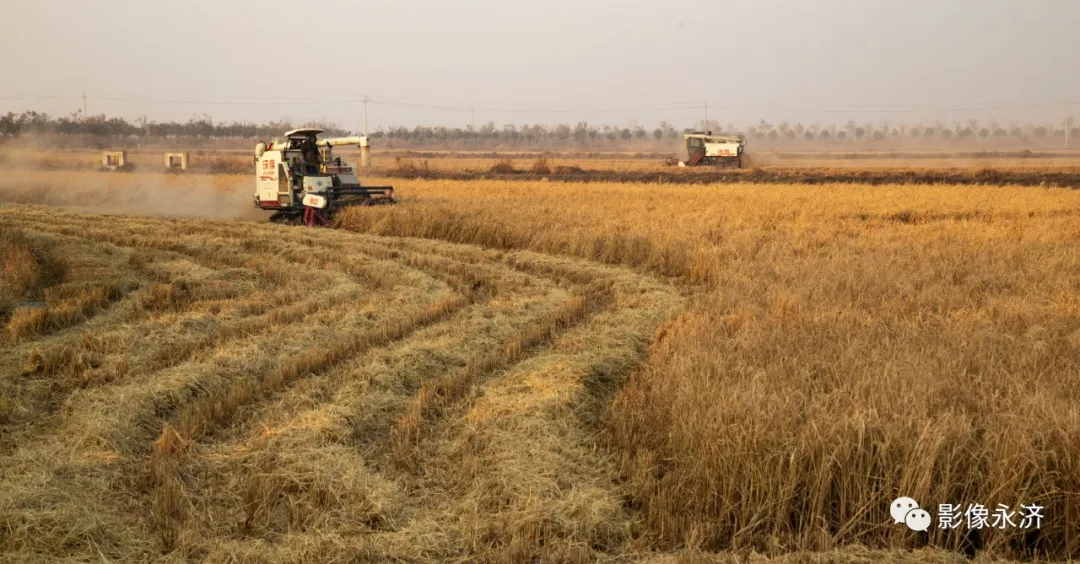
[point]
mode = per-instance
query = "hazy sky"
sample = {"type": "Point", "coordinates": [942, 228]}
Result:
{"type": "Point", "coordinates": [589, 59]}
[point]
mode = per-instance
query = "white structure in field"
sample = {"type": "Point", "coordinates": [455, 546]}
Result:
{"type": "Point", "coordinates": [176, 161]}
{"type": "Point", "coordinates": [113, 159]}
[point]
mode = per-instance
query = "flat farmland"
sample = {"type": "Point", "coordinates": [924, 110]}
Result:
{"type": "Point", "coordinates": [526, 370]}
{"type": "Point", "coordinates": [239, 161]}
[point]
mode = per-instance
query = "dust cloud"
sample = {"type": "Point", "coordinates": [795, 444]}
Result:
{"type": "Point", "coordinates": [218, 196]}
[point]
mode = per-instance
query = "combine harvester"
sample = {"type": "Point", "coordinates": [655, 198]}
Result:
{"type": "Point", "coordinates": [301, 180]}
{"type": "Point", "coordinates": [705, 149]}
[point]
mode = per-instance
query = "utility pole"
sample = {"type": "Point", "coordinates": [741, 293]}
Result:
{"type": "Point", "coordinates": [1068, 123]}
{"type": "Point", "coordinates": [365, 115]}
{"type": "Point", "coordinates": [84, 106]}
{"type": "Point", "coordinates": [472, 117]}
{"type": "Point", "coordinates": [706, 122]}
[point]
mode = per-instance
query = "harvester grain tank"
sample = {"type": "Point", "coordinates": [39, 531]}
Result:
{"type": "Point", "coordinates": [301, 180]}
{"type": "Point", "coordinates": [704, 148]}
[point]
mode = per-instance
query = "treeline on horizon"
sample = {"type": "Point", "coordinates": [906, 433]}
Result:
{"type": "Point", "coordinates": [14, 125]}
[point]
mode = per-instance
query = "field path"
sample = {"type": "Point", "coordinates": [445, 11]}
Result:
{"type": "Point", "coordinates": [234, 390]}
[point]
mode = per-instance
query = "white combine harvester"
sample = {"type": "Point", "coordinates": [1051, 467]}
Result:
{"type": "Point", "coordinates": [704, 148]}
{"type": "Point", "coordinates": [301, 180]}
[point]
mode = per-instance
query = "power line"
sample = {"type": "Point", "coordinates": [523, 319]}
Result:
{"type": "Point", "coordinates": [301, 101]}
{"type": "Point", "coordinates": [471, 108]}
{"type": "Point", "coordinates": [38, 97]}
{"type": "Point", "coordinates": [882, 110]}
{"type": "Point", "coordinates": [532, 110]}
{"type": "Point", "coordinates": [234, 102]}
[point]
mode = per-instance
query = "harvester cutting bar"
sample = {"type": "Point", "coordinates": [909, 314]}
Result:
{"type": "Point", "coordinates": [365, 191]}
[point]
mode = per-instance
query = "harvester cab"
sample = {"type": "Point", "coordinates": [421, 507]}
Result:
{"type": "Point", "coordinates": [302, 181]}
{"type": "Point", "coordinates": [704, 148]}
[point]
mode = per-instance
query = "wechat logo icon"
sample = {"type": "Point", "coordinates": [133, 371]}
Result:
{"type": "Point", "coordinates": [907, 511]}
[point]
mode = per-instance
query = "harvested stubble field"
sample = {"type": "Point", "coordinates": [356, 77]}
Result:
{"type": "Point", "coordinates": [520, 371]}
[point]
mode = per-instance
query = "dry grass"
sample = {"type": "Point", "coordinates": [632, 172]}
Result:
{"type": "Point", "coordinates": [27, 270]}
{"type": "Point", "coordinates": [20, 276]}
{"type": "Point", "coordinates": [438, 394]}
{"type": "Point", "coordinates": [552, 372]}
{"type": "Point", "coordinates": [846, 344]}
{"type": "Point", "coordinates": [238, 335]}
{"type": "Point", "coordinates": [408, 166]}
{"type": "Point", "coordinates": [19, 271]}
{"type": "Point", "coordinates": [504, 166]}
{"type": "Point", "coordinates": [541, 166]}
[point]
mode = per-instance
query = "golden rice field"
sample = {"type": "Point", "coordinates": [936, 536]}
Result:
{"type": "Point", "coordinates": [530, 371]}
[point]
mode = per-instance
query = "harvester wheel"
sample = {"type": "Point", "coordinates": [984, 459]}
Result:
{"type": "Point", "coordinates": [282, 218]}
